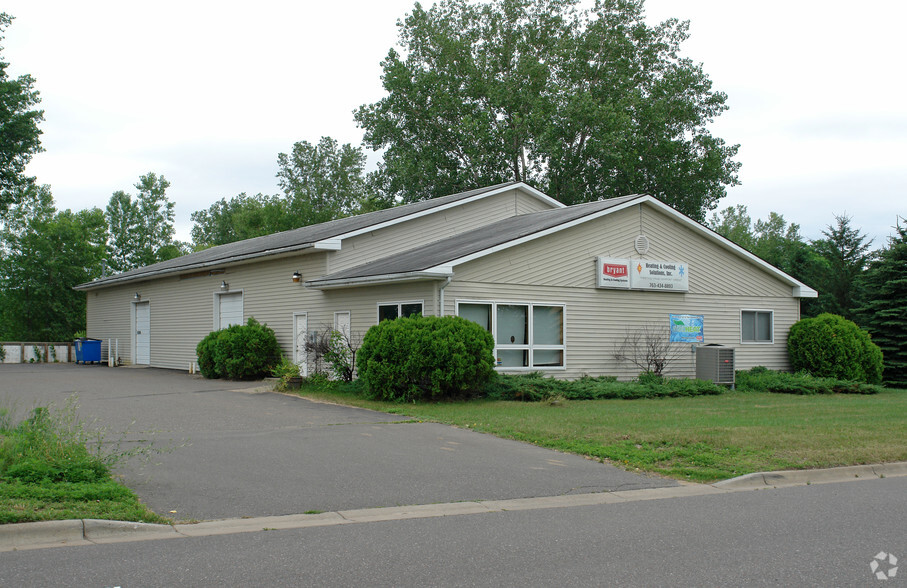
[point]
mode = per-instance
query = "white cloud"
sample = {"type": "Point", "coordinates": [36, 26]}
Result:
{"type": "Point", "coordinates": [207, 93]}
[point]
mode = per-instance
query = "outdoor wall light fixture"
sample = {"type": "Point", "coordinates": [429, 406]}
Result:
{"type": "Point", "coordinates": [296, 277]}
{"type": "Point", "coordinates": [224, 286]}
{"type": "Point", "coordinates": [137, 296]}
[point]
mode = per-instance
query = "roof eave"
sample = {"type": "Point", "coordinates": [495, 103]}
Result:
{"type": "Point", "coordinates": [377, 279]}
{"type": "Point", "coordinates": [120, 280]}
{"type": "Point", "coordinates": [804, 292]}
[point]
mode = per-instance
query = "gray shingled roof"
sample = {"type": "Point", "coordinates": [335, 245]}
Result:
{"type": "Point", "coordinates": [423, 258]}
{"type": "Point", "coordinates": [283, 242]}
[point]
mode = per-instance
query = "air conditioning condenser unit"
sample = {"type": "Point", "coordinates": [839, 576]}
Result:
{"type": "Point", "coordinates": [715, 363]}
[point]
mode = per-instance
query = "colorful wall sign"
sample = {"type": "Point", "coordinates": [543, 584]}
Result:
{"type": "Point", "coordinates": [613, 273]}
{"type": "Point", "coordinates": [686, 328]}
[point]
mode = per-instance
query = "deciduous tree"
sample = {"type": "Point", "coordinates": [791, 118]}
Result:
{"type": "Point", "coordinates": [320, 183]}
{"type": "Point", "coordinates": [584, 104]}
{"type": "Point", "coordinates": [45, 253]}
{"type": "Point", "coordinates": [19, 132]}
{"type": "Point", "coordinates": [141, 229]}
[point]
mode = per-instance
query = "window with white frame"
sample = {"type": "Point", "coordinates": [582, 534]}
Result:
{"type": "Point", "coordinates": [526, 335]}
{"type": "Point", "coordinates": [392, 310]}
{"type": "Point", "coordinates": [756, 326]}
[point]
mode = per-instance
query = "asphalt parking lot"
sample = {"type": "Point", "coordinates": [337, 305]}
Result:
{"type": "Point", "coordinates": [232, 449]}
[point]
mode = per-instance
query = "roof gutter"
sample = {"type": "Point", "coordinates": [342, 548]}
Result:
{"type": "Point", "coordinates": [124, 279]}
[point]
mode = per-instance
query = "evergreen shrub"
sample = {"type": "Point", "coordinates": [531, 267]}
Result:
{"type": "Point", "coordinates": [761, 379]}
{"type": "Point", "coordinates": [830, 346]}
{"type": "Point", "coordinates": [425, 358]}
{"type": "Point", "coordinates": [536, 386]}
{"type": "Point", "coordinates": [239, 352]}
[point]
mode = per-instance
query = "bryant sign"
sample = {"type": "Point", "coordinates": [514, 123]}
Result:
{"type": "Point", "coordinates": [642, 274]}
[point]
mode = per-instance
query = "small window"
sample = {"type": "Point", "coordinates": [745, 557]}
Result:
{"type": "Point", "coordinates": [477, 313]}
{"type": "Point", "coordinates": [756, 326]}
{"type": "Point", "coordinates": [392, 310]}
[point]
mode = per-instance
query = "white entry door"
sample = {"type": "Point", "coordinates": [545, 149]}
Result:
{"type": "Point", "coordinates": [300, 334]}
{"type": "Point", "coordinates": [230, 310]}
{"type": "Point", "coordinates": [342, 322]}
{"type": "Point", "coordinates": [143, 333]}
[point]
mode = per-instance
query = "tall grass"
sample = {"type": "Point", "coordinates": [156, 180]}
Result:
{"type": "Point", "coordinates": [53, 466]}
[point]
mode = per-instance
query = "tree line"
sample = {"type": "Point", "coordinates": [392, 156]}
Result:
{"type": "Point", "coordinates": [585, 104]}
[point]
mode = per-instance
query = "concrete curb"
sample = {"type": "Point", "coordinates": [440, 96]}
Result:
{"type": "Point", "coordinates": [804, 477]}
{"type": "Point", "coordinates": [92, 531]}
{"type": "Point", "coordinates": [41, 534]}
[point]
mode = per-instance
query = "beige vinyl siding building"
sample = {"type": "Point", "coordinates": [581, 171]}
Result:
{"type": "Point", "coordinates": [507, 256]}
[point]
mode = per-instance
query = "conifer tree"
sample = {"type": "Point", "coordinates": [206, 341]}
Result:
{"type": "Point", "coordinates": [885, 311]}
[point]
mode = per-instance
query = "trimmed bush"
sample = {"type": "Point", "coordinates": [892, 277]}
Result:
{"type": "Point", "coordinates": [425, 358]}
{"type": "Point", "coordinates": [830, 346]}
{"type": "Point", "coordinates": [239, 352]}
{"type": "Point", "coordinates": [205, 351]}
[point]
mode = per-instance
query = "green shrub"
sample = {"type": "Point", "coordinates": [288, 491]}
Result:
{"type": "Point", "coordinates": [239, 352]}
{"type": "Point", "coordinates": [761, 379]}
{"type": "Point", "coordinates": [205, 351]}
{"type": "Point", "coordinates": [830, 346]}
{"type": "Point", "coordinates": [285, 368]}
{"type": "Point", "coordinates": [419, 358]}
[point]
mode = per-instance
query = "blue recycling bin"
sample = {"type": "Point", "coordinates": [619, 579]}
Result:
{"type": "Point", "coordinates": [88, 350]}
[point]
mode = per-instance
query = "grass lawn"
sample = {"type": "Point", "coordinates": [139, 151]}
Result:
{"type": "Point", "coordinates": [702, 439]}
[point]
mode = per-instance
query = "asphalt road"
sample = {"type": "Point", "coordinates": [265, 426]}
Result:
{"type": "Point", "coordinates": [233, 452]}
{"type": "Point", "coordinates": [818, 535]}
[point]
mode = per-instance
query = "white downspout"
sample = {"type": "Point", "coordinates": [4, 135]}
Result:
{"type": "Point", "coordinates": [441, 295]}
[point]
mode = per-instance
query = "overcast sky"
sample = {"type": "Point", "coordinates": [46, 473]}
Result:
{"type": "Point", "coordinates": [208, 93]}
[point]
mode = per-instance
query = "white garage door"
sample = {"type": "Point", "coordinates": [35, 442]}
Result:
{"type": "Point", "coordinates": [143, 333]}
{"type": "Point", "coordinates": [230, 309]}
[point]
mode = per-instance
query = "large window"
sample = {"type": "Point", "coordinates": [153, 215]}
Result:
{"type": "Point", "coordinates": [392, 310]}
{"type": "Point", "coordinates": [756, 326]}
{"type": "Point", "coordinates": [526, 335]}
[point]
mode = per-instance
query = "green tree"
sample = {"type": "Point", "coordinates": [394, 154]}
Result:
{"type": "Point", "coordinates": [734, 223]}
{"type": "Point", "coordinates": [241, 217]}
{"type": "Point", "coordinates": [585, 104]}
{"type": "Point", "coordinates": [845, 254]}
{"type": "Point", "coordinates": [141, 229]}
{"type": "Point", "coordinates": [885, 311]}
{"type": "Point", "coordinates": [320, 183]}
{"type": "Point", "coordinates": [19, 132]}
{"type": "Point", "coordinates": [45, 253]}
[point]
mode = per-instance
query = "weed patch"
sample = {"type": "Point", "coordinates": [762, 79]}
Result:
{"type": "Point", "coordinates": [48, 471]}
